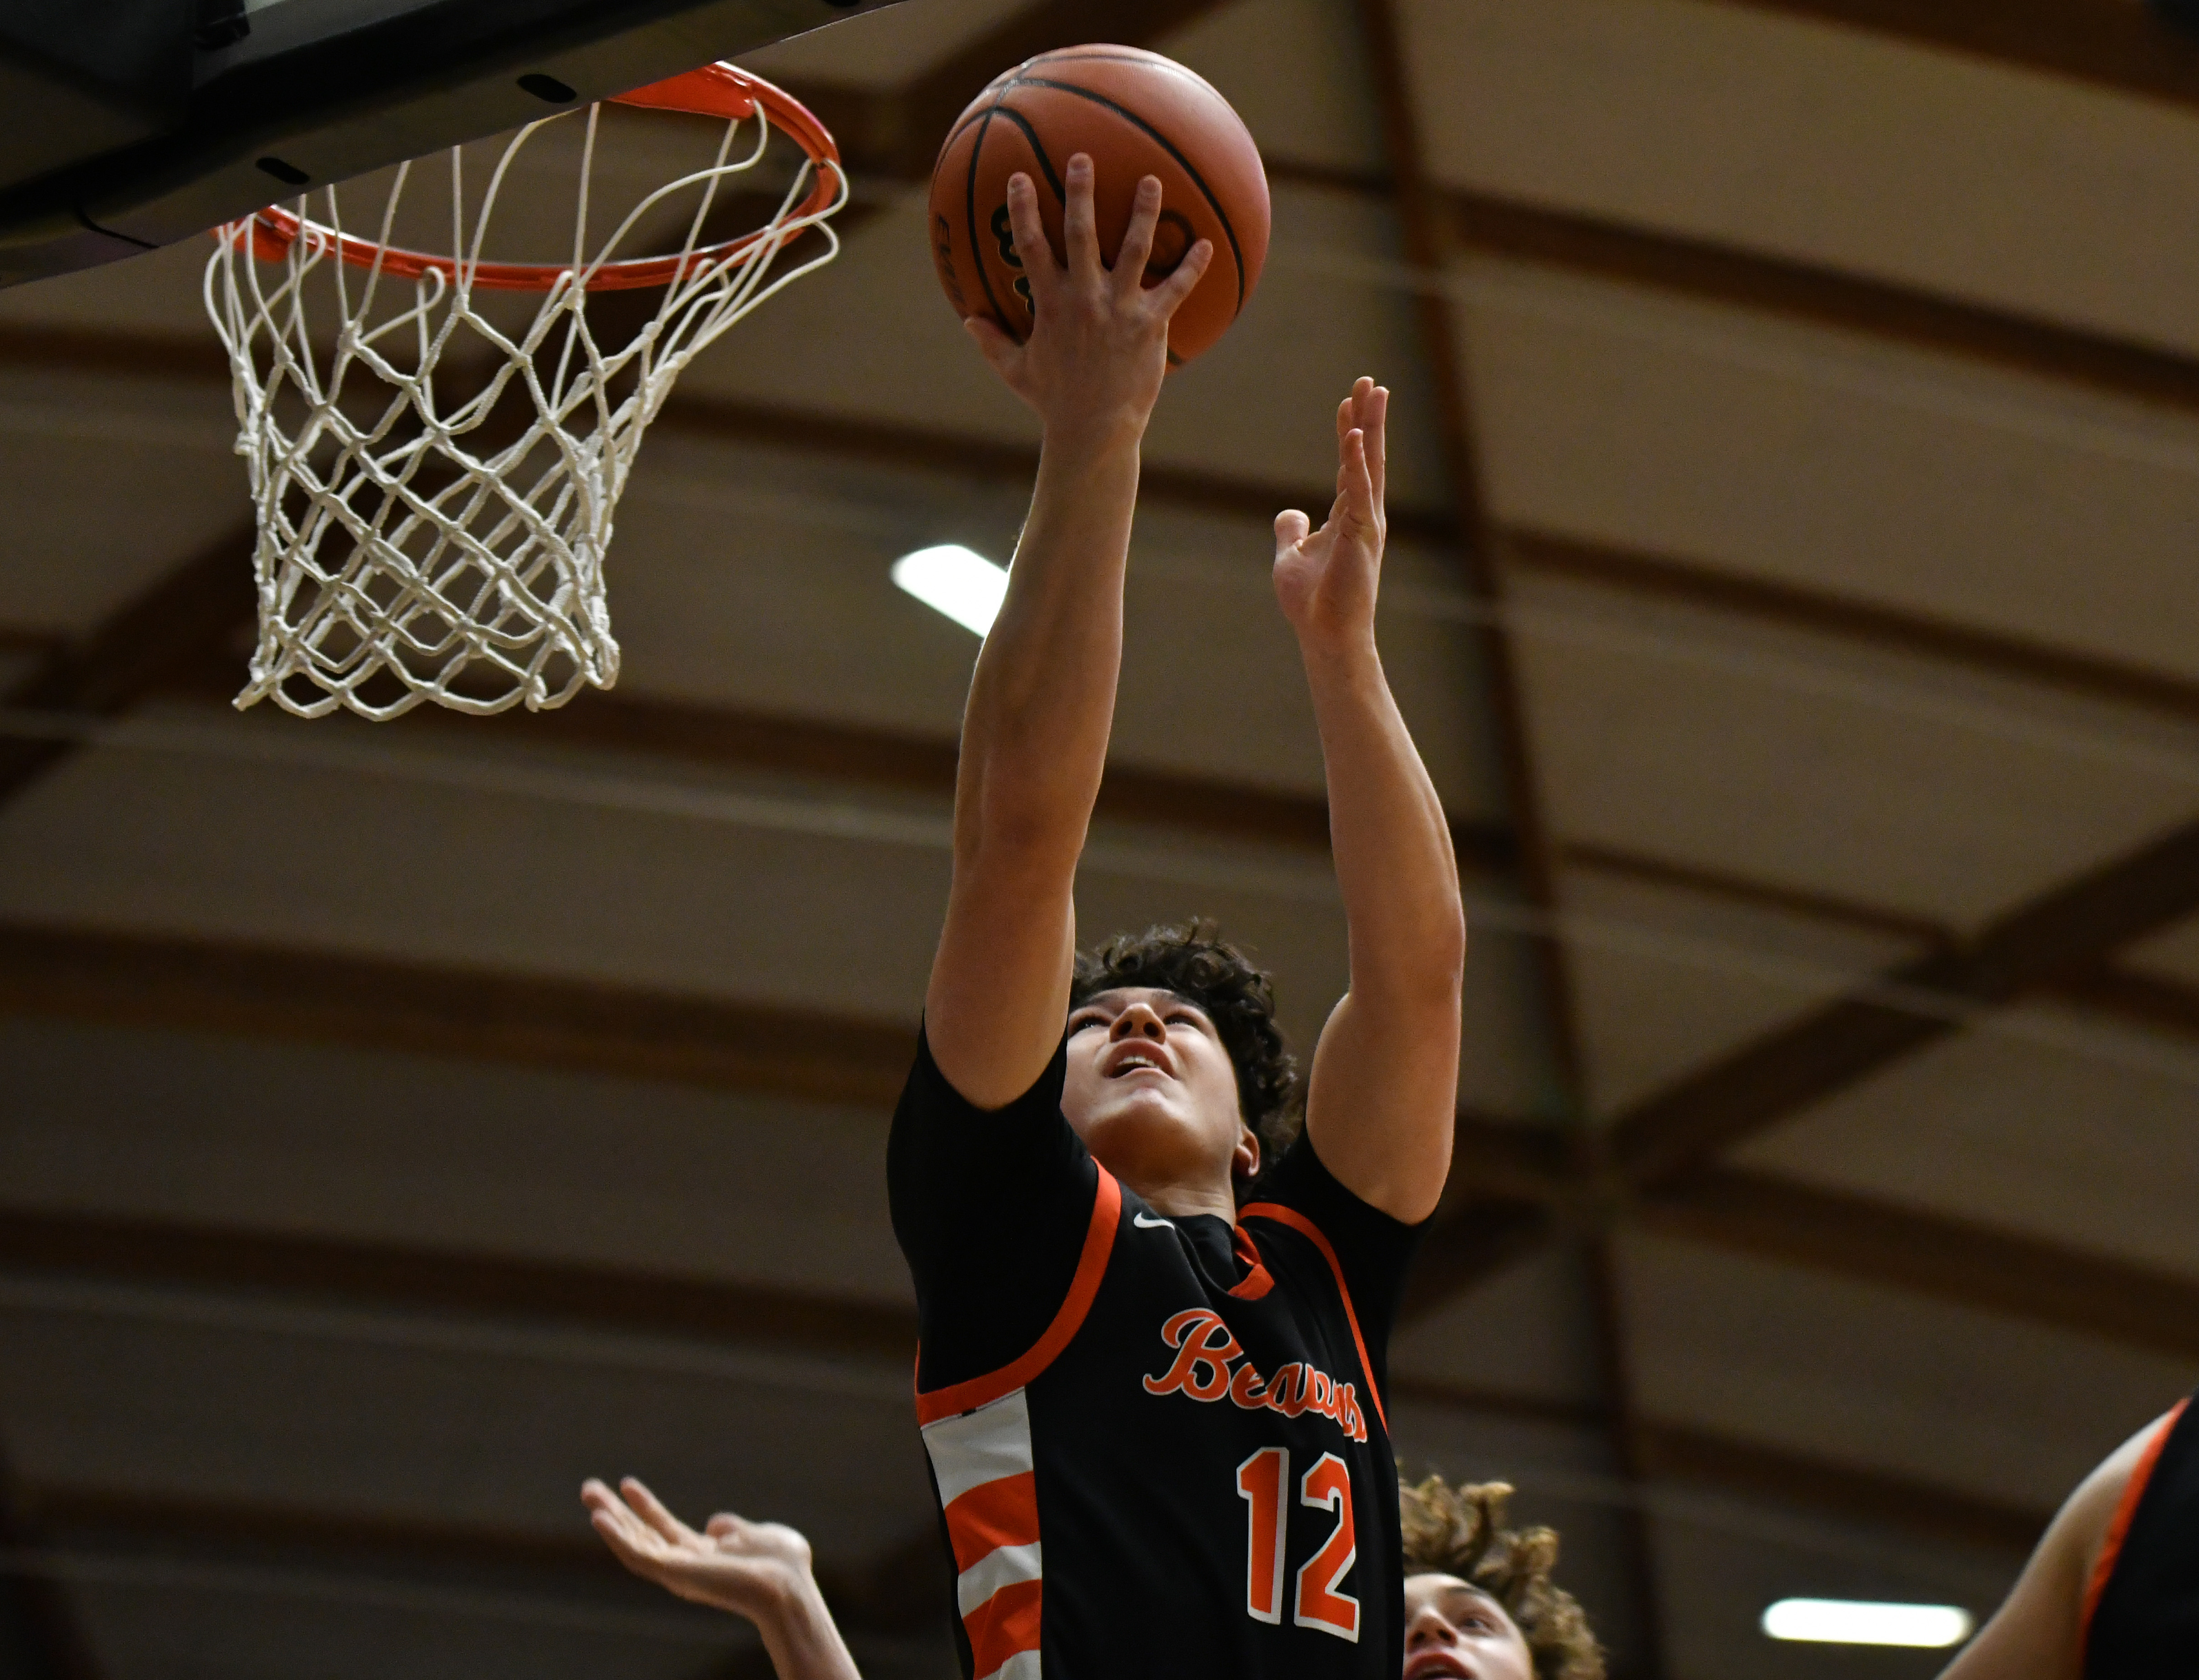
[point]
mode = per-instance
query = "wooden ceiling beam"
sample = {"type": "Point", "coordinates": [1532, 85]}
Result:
{"type": "Point", "coordinates": [2061, 933]}
{"type": "Point", "coordinates": [1862, 623]}
{"type": "Point", "coordinates": [2110, 44]}
{"type": "Point", "coordinates": [902, 1590]}
{"type": "Point", "coordinates": [1709, 272]}
{"type": "Point", "coordinates": [2125, 994]}
{"type": "Point", "coordinates": [387, 1278]}
{"type": "Point", "coordinates": [1796, 1481]}
{"type": "Point", "coordinates": [149, 980]}
{"type": "Point", "coordinates": [196, 604]}
{"type": "Point", "coordinates": [1946, 1259]}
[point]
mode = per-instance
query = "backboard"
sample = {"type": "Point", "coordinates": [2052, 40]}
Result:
{"type": "Point", "coordinates": [132, 124]}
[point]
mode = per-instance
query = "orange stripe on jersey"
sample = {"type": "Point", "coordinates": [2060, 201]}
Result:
{"type": "Point", "coordinates": [1002, 1513]}
{"type": "Point", "coordinates": [1004, 1625]}
{"type": "Point", "coordinates": [2111, 1549]}
{"type": "Point", "coordinates": [1091, 1266]}
{"type": "Point", "coordinates": [1311, 1232]}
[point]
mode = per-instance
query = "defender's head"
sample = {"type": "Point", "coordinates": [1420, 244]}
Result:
{"type": "Point", "coordinates": [1479, 1602]}
{"type": "Point", "coordinates": [1177, 1073]}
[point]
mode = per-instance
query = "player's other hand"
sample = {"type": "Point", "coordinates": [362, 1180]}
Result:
{"type": "Point", "coordinates": [1093, 365]}
{"type": "Point", "coordinates": [1326, 579]}
{"type": "Point", "coordinates": [753, 1569]}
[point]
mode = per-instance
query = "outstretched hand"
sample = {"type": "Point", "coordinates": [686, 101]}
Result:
{"type": "Point", "coordinates": [1098, 350]}
{"type": "Point", "coordinates": [1326, 579]}
{"type": "Point", "coordinates": [752, 1569]}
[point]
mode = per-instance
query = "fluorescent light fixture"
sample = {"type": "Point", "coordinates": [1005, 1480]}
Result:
{"type": "Point", "coordinates": [1840, 1621]}
{"type": "Point", "coordinates": [955, 580]}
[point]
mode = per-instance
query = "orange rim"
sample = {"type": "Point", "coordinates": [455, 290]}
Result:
{"type": "Point", "coordinates": [719, 91]}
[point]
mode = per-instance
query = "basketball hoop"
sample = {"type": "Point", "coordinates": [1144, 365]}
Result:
{"type": "Point", "coordinates": [412, 549]}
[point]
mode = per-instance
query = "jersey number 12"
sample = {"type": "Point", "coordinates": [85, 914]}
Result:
{"type": "Point", "coordinates": [1263, 1482]}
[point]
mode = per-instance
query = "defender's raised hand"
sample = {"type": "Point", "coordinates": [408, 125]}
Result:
{"type": "Point", "coordinates": [748, 1568]}
{"type": "Point", "coordinates": [1093, 365]}
{"type": "Point", "coordinates": [757, 1570]}
{"type": "Point", "coordinates": [1326, 579]}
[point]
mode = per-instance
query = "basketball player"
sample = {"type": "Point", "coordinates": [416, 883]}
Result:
{"type": "Point", "coordinates": [1150, 1395]}
{"type": "Point", "coordinates": [1479, 1602]}
{"type": "Point", "coordinates": [2112, 1592]}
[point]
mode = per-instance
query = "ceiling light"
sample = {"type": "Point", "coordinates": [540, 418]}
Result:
{"type": "Point", "coordinates": [1840, 1621]}
{"type": "Point", "coordinates": [955, 580]}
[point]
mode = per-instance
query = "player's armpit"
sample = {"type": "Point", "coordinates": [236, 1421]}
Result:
{"type": "Point", "coordinates": [2038, 1632]}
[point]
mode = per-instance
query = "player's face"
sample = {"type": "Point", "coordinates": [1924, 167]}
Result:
{"type": "Point", "coordinates": [1456, 1630]}
{"type": "Point", "coordinates": [1151, 1091]}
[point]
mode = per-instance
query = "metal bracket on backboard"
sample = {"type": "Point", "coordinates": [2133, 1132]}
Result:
{"type": "Point", "coordinates": [311, 92]}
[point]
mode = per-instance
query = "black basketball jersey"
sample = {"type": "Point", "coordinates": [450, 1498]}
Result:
{"type": "Point", "coordinates": [1157, 1444]}
{"type": "Point", "coordinates": [2142, 1613]}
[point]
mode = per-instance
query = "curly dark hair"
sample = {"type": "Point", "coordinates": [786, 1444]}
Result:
{"type": "Point", "coordinates": [1460, 1530]}
{"type": "Point", "coordinates": [1191, 960]}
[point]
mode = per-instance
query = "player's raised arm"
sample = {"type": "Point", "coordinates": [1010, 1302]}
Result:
{"type": "Point", "coordinates": [1034, 733]}
{"type": "Point", "coordinates": [1384, 1092]}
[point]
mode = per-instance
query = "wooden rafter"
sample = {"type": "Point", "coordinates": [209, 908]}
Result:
{"type": "Point", "coordinates": [1942, 641]}
{"type": "Point", "coordinates": [378, 1003]}
{"type": "Point", "coordinates": [900, 1591]}
{"type": "Point", "coordinates": [141, 644]}
{"type": "Point", "coordinates": [2131, 995]}
{"type": "Point", "coordinates": [392, 1278]}
{"type": "Point", "coordinates": [2060, 934]}
{"type": "Point", "coordinates": [1720, 272]}
{"type": "Point", "coordinates": [1798, 1481]}
{"type": "Point", "coordinates": [1949, 1260]}
{"type": "Point", "coordinates": [2112, 43]}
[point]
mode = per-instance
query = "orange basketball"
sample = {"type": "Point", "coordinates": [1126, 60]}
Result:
{"type": "Point", "coordinates": [1136, 113]}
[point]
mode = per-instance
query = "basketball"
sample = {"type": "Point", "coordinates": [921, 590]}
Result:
{"type": "Point", "coordinates": [1136, 114]}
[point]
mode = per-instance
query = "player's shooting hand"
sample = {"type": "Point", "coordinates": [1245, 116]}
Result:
{"type": "Point", "coordinates": [1093, 365]}
{"type": "Point", "coordinates": [755, 1570]}
{"type": "Point", "coordinates": [1326, 579]}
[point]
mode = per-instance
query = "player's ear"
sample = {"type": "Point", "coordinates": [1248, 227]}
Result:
{"type": "Point", "coordinates": [1244, 1161]}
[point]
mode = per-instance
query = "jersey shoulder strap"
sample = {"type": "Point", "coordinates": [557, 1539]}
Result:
{"type": "Point", "coordinates": [1291, 1218]}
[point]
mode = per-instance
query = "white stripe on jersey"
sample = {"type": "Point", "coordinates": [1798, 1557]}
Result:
{"type": "Point", "coordinates": [1002, 1567]}
{"type": "Point", "coordinates": [980, 1446]}
{"type": "Point", "coordinates": [1024, 1666]}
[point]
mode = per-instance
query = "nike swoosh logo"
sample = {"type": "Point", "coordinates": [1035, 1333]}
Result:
{"type": "Point", "coordinates": [1145, 1224]}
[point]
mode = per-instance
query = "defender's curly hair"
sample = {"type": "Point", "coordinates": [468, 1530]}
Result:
{"type": "Point", "coordinates": [1460, 1530]}
{"type": "Point", "coordinates": [1191, 960]}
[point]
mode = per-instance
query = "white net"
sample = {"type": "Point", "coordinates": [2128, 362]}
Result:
{"type": "Point", "coordinates": [436, 455]}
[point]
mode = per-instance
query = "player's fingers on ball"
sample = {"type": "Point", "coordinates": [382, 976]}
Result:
{"type": "Point", "coordinates": [1168, 297]}
{"type": "Point", "coordinates": [1024, 221]}
{"type": "Point", "coordinates": [1079, 223]}
{"type": "Point", "coordinates": [1137, 248]}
